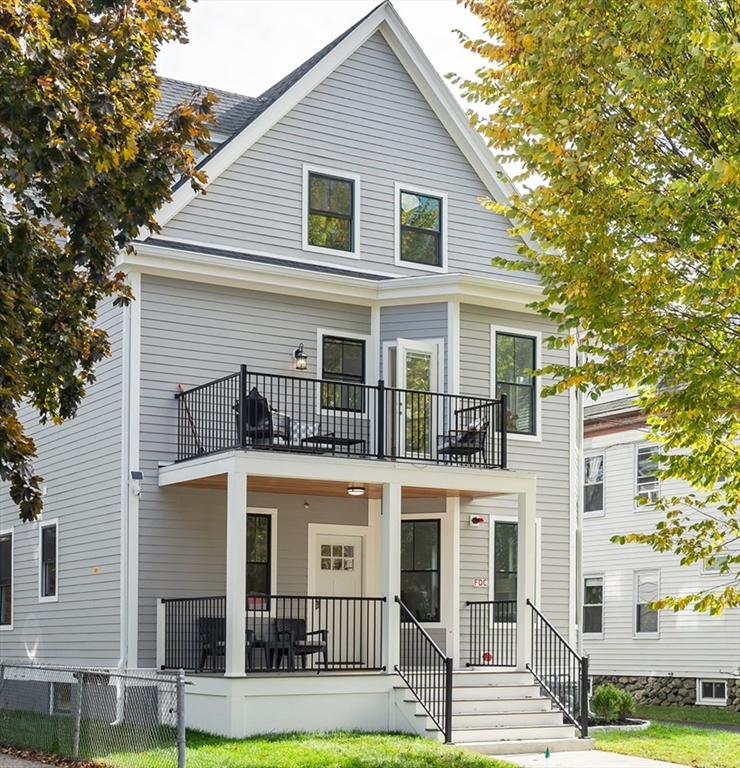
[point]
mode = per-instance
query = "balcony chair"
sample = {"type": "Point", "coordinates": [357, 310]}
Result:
{"type": "Point", "coordinates": [466, 442]}
{"type": "Point", "coordinates": [213, 642]}
{"type": "Point", "coordinates": [292, 634]}
{"type": "Point", "coordinates": [263, 425]}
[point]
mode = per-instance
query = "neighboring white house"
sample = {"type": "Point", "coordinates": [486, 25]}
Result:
{"type": "Point", "coordinates": [303, 416]}
{"type": "Point", "coordinates": [664, 657]}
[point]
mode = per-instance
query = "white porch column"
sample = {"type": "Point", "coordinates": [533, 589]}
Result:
{"type": "Point", "coordinates": [526, 578]}
{"type": "Point", "coordinates": [451, 577]}
{"type": "Point", "coordinates": [236, 572]}
{"type": "Point", "coordinates": [391, 579]}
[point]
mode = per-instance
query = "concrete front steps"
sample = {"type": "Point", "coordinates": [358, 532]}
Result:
{"type": "Point", "coordinates": [498, 713]}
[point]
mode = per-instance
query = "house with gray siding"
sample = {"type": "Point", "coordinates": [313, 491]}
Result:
{"type": "Point", "coordinates": [682, 658]}
{"type": "Point", "coordinates": [317, 446]}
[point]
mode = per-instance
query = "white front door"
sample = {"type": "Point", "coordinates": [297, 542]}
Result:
{"type": "Point", "coordinates": [339, 574]}
{"type": "Point", "coordinates": [417, 373]}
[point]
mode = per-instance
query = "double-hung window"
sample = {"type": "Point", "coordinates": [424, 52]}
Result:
{"type": "Point", "coordinates": [420, 575]}
{"type": "Point", "coordinates": [342, 360]}
{"type": "Point", "coordinates": [259, 565]}
{"type": "Point", "coordinates": [331, 212]}
{"type": "Point", "coordinates": [593, 605]}
{"type": "Point", "coordinates": [48, 561]}
{"type": "Point", "coordinates": [6, 579]}
{"type": "Point", "coordinates": [647, 589]}
{"type": "Point", "coordinates": [516, 358]}
{"type": "Point", "coordinates": [421, 228]}
{"type": "Point", "coordinates": [593, 484]}
{"type": "Point", "coordinates": [647, 484]}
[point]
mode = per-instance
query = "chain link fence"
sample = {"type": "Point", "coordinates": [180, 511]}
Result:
{"type": "Point", "coordinates": [121, 719]}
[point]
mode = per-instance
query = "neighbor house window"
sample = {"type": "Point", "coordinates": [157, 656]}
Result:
{"type": "Point", "coordinates": [342, 360]}
{"type": "Point", "coordinates": [593, 484]}
{"type": "Point", "coordinates": [331, 206]}
{"type": "Point", "coordinates": [48, 561]}
{"type": "Point", "coordinates": [6, 579]}
{"type": "Point", "coordinates": [61, 698]}
{"type": "Point", "coordinates": [420, 222]}
{"type": "Point", "coordinates": [708, 567]}
{"type": "Point", "coordinates": [646, 591]}
{"type": "Point", "coordinates": [593, 605]}
{"type": "Point", "coordinates": [259, 548]}
{"type": "Point", "coordinates": [420, 568]}
{"type": "Point", "coordinates": [712, 692]}
{"type": "Point", "coordinates": [515, 361]}
{"type": "Point", "coordinates": [647, 485]}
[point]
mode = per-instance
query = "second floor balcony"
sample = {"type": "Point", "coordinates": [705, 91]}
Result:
{"type": "Point", "coordinates": [248, 410]}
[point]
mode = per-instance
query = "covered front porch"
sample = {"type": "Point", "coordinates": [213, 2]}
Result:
{"type": "Point", "coordinates": [327, 600]}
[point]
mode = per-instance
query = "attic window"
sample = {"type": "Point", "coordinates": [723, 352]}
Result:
{"type": "Point", "coordinates": [330, 221]}
{"type": "Point", "coordinates": [421, 229]}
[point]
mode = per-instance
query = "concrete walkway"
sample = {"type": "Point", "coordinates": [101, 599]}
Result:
{"type": "Point", "coordinates": [10, 761]}
{"type": "Point", "coordinates": [588, 759]}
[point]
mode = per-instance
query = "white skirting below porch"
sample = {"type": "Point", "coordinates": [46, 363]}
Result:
{"type": "Point", "coordinates": [244, 706]}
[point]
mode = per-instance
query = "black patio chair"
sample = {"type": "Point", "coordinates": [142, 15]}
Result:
{"type": "Point", "coordinates": [212, 640]}
{"type": "Point", "coordinates": [263, 424]}
{"type": "Point", "coordinates": [292, 633]}
{"type": "Point", "coordinates": [465, 443]}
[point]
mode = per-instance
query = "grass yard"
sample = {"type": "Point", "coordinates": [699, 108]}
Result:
{"type": "Point", "coordinates": [698, 747]}
{"type": "Point", "coordinates": [329, 750]}
{"type": "Point", "coordinates": [706, 715]}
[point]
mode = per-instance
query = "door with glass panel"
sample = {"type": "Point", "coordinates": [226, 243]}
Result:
{"type": "Point", "coordinates": [413, 371]}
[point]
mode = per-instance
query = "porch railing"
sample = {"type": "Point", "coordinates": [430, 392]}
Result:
{"type": "Point", "coordinates": [285, 633]}
{"type": "Point", "coordinates": [492, 633]}
{"type": "Point", "coordinates": [426, 670]}
{"type": "Point", "coordinates": [321, 416]}
{"type": "Point", "coordinates": [561, 672]}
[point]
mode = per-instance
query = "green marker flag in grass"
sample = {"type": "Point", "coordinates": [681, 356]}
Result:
{"type": "Point", "coordinates": [547, 752]}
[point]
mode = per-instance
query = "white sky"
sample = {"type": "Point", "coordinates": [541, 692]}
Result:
{"type": "Point", "coordinates": [247, 45]}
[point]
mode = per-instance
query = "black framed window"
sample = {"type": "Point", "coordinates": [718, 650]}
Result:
{"type": "Point", "coordinates": [342, 360]}
{"type": "Point", "coordinates": [505, 560]}
{"type": "Point", "coordinates": [6, 579]}
{"type": "Point", "coordinates": [259, 548]}
{"type": "Point", "coordinates": [421, 229]}
{"type": "Point", "coordinates": [49, 561]}
{"type": "Point", "coordinates": [593, 605]}
{"type": "Point", "coordinates": [516, 357]}
{"type": "Point", "coordinates": [420, 568]}
{"type": "Point", "coordinates": [330, 212]}
{"type": "Point", "coordinates": [593, 484]}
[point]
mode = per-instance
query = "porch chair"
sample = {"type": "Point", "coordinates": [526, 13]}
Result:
{"type": "Point", "coordinates": [292, 632]}
{"type": "Point", "coordinates": [466, 442]}
{"type": "Point", "coordinates": [263, 424]}
{"type": "Point", "coordinates": [213, 641]}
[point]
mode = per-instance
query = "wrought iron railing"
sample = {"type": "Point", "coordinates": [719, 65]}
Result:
{"type": "Point", "coordinates": [291, 413]}
{"type": "Point", "coordinates": [284, 633]}
{"type": "Point", "coordinates": [561, 672]}
{"type": "Point", "coordinates": [426, 671]}
{"type": "Point", "coordinates": [492, 633]}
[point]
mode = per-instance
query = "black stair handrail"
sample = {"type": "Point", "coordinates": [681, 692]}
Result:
{"type": "Point", "coordinates": [427, 672]}
{"type": "Point", "coordinates": [561, 672]}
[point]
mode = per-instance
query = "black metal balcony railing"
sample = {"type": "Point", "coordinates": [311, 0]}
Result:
{"type": "Point", "coordinates": [284, 633]}
{"type": "Point", "coordinates": [289, 413]}
{"type": "Point", "coordinates": [492, 633]}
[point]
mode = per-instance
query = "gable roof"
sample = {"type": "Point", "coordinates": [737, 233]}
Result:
{"type": "Point", "coordinates": [278, 100]}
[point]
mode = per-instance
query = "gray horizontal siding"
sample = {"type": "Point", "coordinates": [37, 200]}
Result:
{"type": "Point", "coordinates": [366, 118]}
{"type": "Point", "coordinates": [80, 461]}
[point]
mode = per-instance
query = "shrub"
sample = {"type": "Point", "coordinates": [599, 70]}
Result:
{"type": "Point", "coordinates": [605, 703]}
{"type": "Point", "coordinates": [626, 704]}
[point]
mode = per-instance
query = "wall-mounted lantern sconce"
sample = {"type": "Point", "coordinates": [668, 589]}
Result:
{"type": "Point", "coordinates": [301, 358]}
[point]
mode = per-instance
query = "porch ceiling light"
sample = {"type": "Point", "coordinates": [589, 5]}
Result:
{"type": "Point", "coordinates": [301, 358]}
{"type": "Point", "coordinates": [356, 490]}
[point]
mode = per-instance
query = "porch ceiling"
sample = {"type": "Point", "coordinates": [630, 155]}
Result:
{"type": "Point", "coordinates": [304, 487]}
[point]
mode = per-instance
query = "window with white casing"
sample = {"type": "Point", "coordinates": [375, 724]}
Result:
{"type": "Point", "coordinates": [647, 484]}
{"type": "Point", "coordinates": [711, 566]}
{"type": "Point", "coordinates": [6, 580]}
{"type": "Point", "coordinates": [593, 484]}
{"type": "Point", "coordinates": [711, 692]}
{"type": "Point", "coordinates": [646, 591]}
{"type": "Point", "coordinates": [48, 560]}
{"type": "Point", "coordinates": [593, 605]}
{"type": "Point", "coordinates": [331, 212]}
{"type": "Point", "coordinates": [515, 359]}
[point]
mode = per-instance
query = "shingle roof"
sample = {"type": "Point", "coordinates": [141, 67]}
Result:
{"type": "Point", "coordinates": [611, 408]}
{"type": "Point", "coordinates": [274, 260]}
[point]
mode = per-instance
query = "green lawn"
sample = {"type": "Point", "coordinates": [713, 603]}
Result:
{"type": "Point", "coordinates": [323, 750]}
{"type": "Point", "coordinates": [698, 747]}
{"type": "Point", "coordinates": [708, 715]}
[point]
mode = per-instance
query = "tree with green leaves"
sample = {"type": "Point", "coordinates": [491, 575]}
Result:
{"type": "Point", "coordinates": [84, 165]}
{"type": "Point", "coordinates": [625, 118]}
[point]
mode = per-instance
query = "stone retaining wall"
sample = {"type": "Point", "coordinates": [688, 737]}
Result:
{"type": "Point", "coordinates": [667, 691]}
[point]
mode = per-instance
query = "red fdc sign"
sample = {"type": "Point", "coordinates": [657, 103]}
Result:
{"type": "Point", "coordinates": [481, 582]}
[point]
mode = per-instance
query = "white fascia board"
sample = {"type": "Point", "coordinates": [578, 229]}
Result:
{"type": "Point", "coordinates": [241, 142]}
